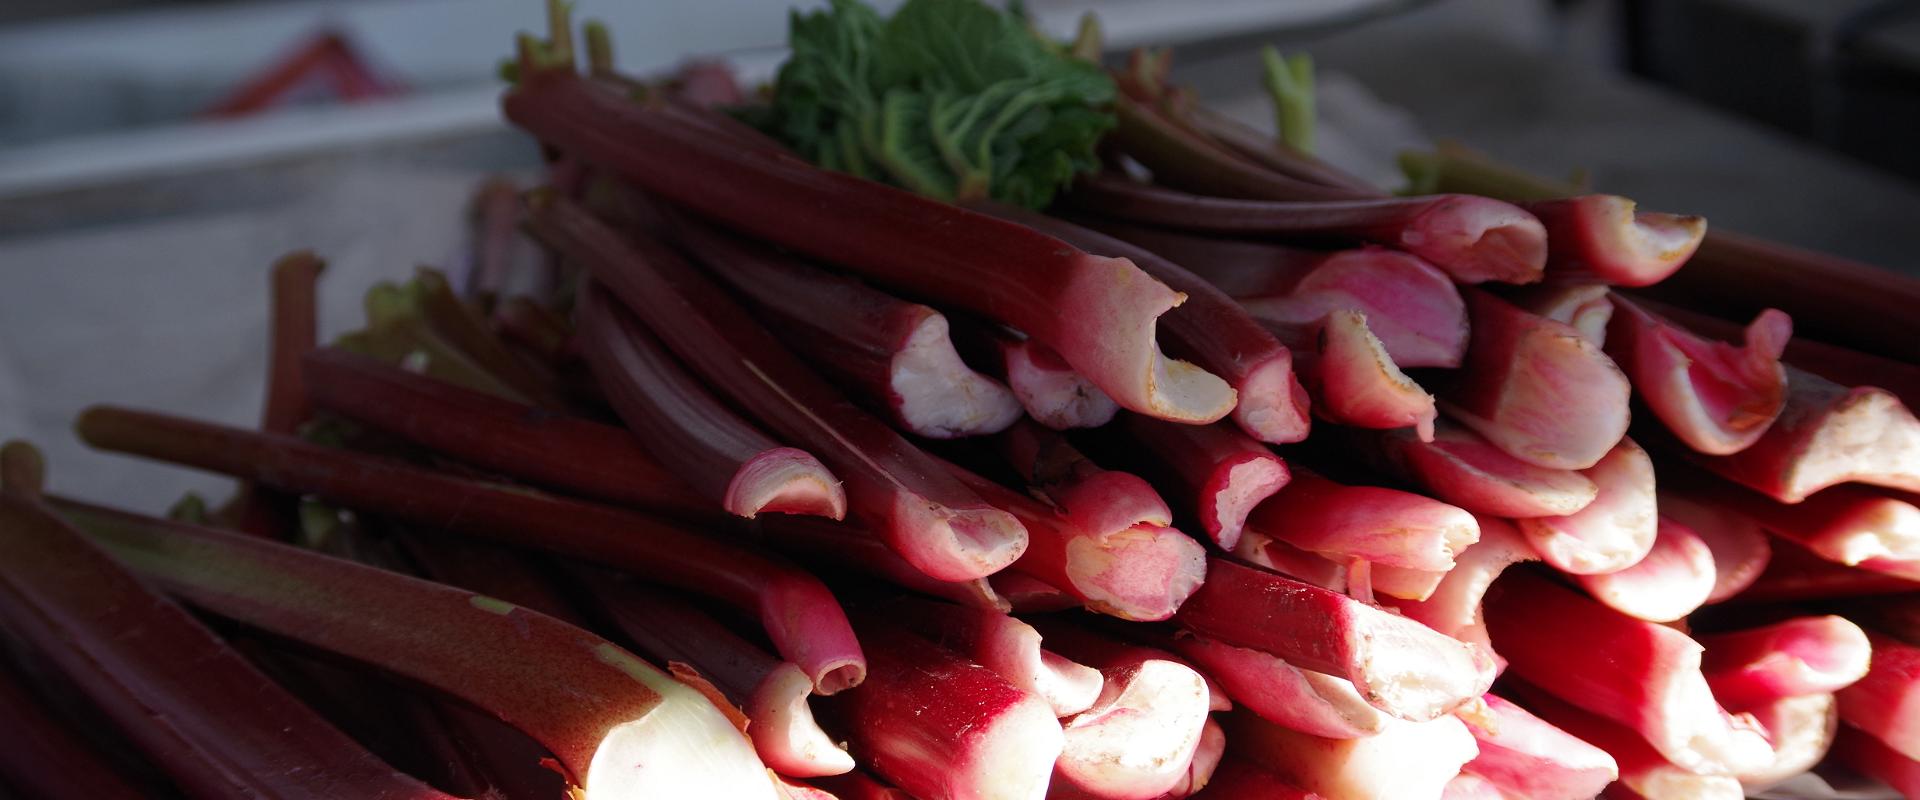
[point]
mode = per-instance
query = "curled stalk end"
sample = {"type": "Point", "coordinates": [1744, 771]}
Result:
{"type": "Point", "coordinates": [23, 470]}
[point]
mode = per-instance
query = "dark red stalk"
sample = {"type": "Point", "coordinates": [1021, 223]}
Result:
{"type": "Point", "coordinates": [1412, 306]}
{"type": "Point", "coordinates": [1643, 770]}
{"type": "Point", "coordinates": [1862, 753]}
{"type": "Point", "coordinates": [1240, 779]}
{"type": "Point", "coordinates": [1098, 313]}
{"type": "Point", "coordinates": [569, 454]}
{"type": "Point", "coordinates": [771, 693]}
{"type": "Point", "coordinates": [1220, 474]}
{"type": "Point", "coordinates": [1613, 532]}
{"type": "Point", "coordinates": [894, 488]}
{"type": "Point", "coordinates": [942, 728]}
{"type": "Point", "coordinates": [798, 612]}
{"type": "Point", "coordinates": [1717, 398]}
{"type": "Point", "coordinates": [466, 329]}
{"type": "Point", "coordinates": [1276, 555]}
{"type": "Point", "coordinates": [1650, 680]}
{"type": "Point", "coordinates": [1188, 159]}
{"type": "Point", "coordinates": [1412, 760]}
{"type": "Point", "coordinates": [1463, 469]}
{"type": "Point", "coordinates": [1211, 330]}
{"type": "Point", "coordinates": [524, 321]}
{"type": "Point", "coordinates": [1601, 237]}
{"type": "Point", "coordinates": [1741, 549]}
{"type": "Point", "coordinates": [1828, 434]}
{"type": "Point", "coordinates": [893, 354]}
{"type": "Point", "coordinates": [201, 712]}
{"type": "Point", "coordinates": [1672, 580]}
{"type": "Point", "coordinates": [1537, 388]}
{"type": "Point", "coordinates": [493, 235]}
{"type": "Point", "coordinates": [294, 330]}
{"type": "Point", "coordinates": [1797, 574]}
{"type": "Point", "coordinates": [1800, 656]}
{"type": "Point", "coordinates": [1400, 666]}
{"type": "Point", "coordinates": [1886, 702]}
{"type": "Point", "coordinates": [1370, 523]}
{"type": "Point", "coordinates": [1268, 151]}
{"type": "Point", "coordinates": [45, 759]}
{"type": "Point", "coordinates": [1525, 756]}
{"type": "Point", "coordinates": [1473, 239]}
{"type": "Point", "coordinates": [1281, 693]}
{"type": "Point", "coordinates": [1005, 645]}
{"type": "Point", "coordinates": [618, 727]}
{"type": "Point", "coordinates": [824, 545]}
{"type": "Point", "coordinates": [704, 442]}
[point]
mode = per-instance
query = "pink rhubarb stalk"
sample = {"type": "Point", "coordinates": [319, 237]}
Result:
{"type": "Point", "coordinates": [1206, 759]}
{"type": "Point", "coordinates": [1801, 656]}
{"type": "Point", "coordinates": [1854, 525]}
{"type": "Point", "coordinates": [1741, 550]}
{"type": "Point", "coordinates": [1398, 665]}
{"type": "Point", "coordinates": [569, 454]}
{"type": "Point", "coordinates": [1717, 398]}
{"type": "Point", "coordinates": [1801, 729]}
{"type": "Point", "coordinates": [1276, 555]}
{"type": "Point", "coordinates": [896, 355]}
{"type": "Point", "coordinates": [943, 728]}
{"type": "Point", "coordinates": [1410, 760]}
{"type": "Point", "coordinates": [1643, 770]}
{"type": "Point", "coordinates": [1454, 608]}
{"type": "Point", "coordinates": [1281, 693]}
{"type": "Point", "coordinates": [1181, 156]}
{"type": "Point", "coordinates": [1602, 237]}
{"type": "Point", "coordinates": [1354, 382]}
{"type": "Point", "coordinates": [827, 546]}
{"type": "Point", "coordinates": [725, 458]}
{"type": "Point", "coordinates": [1614, 531]}
{"type": "Point", "coordinates": [772, 693]}
{"type": "Point", "coordinates": [1868, 756]}
{"type": "Point", "coordinates": [1139, 737]}
{"type": "Point", "coordinates": [1461, 468]}
{"type": "Point", "coordinates": [799, 614]}
{"type": "Point", "coordinates": [1828, 434]}
{"type": "Point", "coordinates": [1525, 756]}
{"type": "Point", "coordinates": [1212, 331]}
{"type": "Point", "coordinates": [1047, 387]}
{"type": "Point", "coordinates": [1886, 701]}
{"type": "Point", "coordinates": [1005, 645]}
{"type": "Point", "coordinates": [1220, 473]}
{"type": "Point", "coordinates": [1671, 581]}
{"type": "Point", "coordinates": [1537, 388]}
{"type": "Point", "coordinates": [617, 726]}
{"type": "Point", "coordinates": [1650, 682]}
{"type": "Point", "coordinates": [1588, 307]}
{"type": "Point", "coordinates": [1098, 313]}
{"type": "Point", "coordinates": [892, 486]}
{"type": "Point", "coordinates": [1838, 364]}
{"type": "Point", "coordinates": [1474, 239]}
{"type": "Point", "coordinates": [1384, 526]}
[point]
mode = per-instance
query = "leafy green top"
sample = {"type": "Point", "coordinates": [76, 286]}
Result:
{"type": "Point", "coordinates": [949, 98]}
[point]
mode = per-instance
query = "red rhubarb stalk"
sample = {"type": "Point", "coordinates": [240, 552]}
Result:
{"type": "Point", "coordinates": [45, 758]}
{"type": "Point", "coordinates": [1650, 681]}
{"type": "Point", "coordinates": [1886, 701]}
{"type": "Point", "coordinates": [1741, 549]}
{"type": "Point", "coordinates": [799, 614]}
{"type": "Point", "coordinates": [1220, 473]}
{"type": "Point", "coordinates": [572, 455]}
{"type": "Point", "coordinates": [943, 728]}
{"type": "Point", "coordinates": [687, 429]}
{"type": "Point", "coordinates": [1536, 388]}
{"type": "Point", "coordinates": [295, 331]}
{"type": "Point", "coordinates": [1354, 382]}
{"type": "Point", "coordinates": [1468, 786]}
{"type": "Point", "coordinates": [1454, 606]}
{"type": "Point", "coordinates": [1473, 239]}
{"type": "Point", "coordinates": [1276, 555]}
{"type": "Point", "coordinates": [462, 326]}
{"type": "Point", "coordinates": [828, 546]}
{"type": "Point", "coordinates": [1399, 666]}
{"type": "Point", "coordinates": [1801, 729]}
{"type": "Point", "coordinates": [1281, 693]}
{"type": "Point", "coordinates": [1181, 156]}
{"type": "Point", "coordinates": [1671, 581]}
{"type": "Point", "coordinates": [892, 486]}
{"type": "Point", "coordinates": [1602, 237]}
{"type": "Point", "coordinates": [619, 727]}
{"type": "Point", "coordinates": [1005, 645]}
{"type": "Point", "coordinates": [1828, 434]}
{"type": "Point", "coordinates": [1588, 307]}
{"type": "Point", "coordinates": [1716, 398]}
{"type": "Point", "coordinates": [205, 715]}
{"type": "Point", "coordinates": [1098, 313]}
{"type": "Point", "coordinates": [1642, 768]}
{"type": "Point", "coordinates": [1269, 151]}
{"type": "Point", "coordinates": [1525, 756]}
{"type": "Point", "coordinates": [1240, 779]}
{"type": "Point", "coordinates": [1412, 760]}
{"type": "Point", "coordinates": [1083, 644]}
{"type": "Point", "coordinates": [1614, 531]}
{"type": "Point", "coordinates": [1862, 753]}
{"type": "Point", "coordinates": [1463, 469]}
{"type": "Point", "coordinates": [772, 693]}
{"type": "Point", "coordinates": [893, 353]}
{"type": "Point", "coordinates": [1384, 526]}
{"type": "Point", "coordinates": [1212, 331]}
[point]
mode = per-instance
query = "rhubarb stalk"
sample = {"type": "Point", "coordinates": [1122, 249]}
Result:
{"type": "Point", "coordinates": [1240, 779]}
{"type": "Point", "coordinates": [1643, 770]}
{"type": "Point", "coordinates": [1005, 645]}
{"type": "Point", "coordinates": [1717, 398]}
{"type": "Point", "coordinates": [1281, 693]}
{"type": "Point", "coordinates": [1614, 531]}
{"type": "Point", "coordinates": [1461, 468]}
{"type": "Point", "coordinates": [1872, 757]}
{"type": "Point", "coordinates": [1384, 526]}
{"type": "Point", "coordinates": [1828, 434]}
{"type": "Point", "coordinates": [799, 614]}
{"type": "Point", "coordinates": [46, 759]}
{"type": "Point", "coordinates": [1412, 760]}
{"type": "Point", "coordinates": [1801, 729]}
{"type": "Point", "coordinates": [1140, 735]}
{"type": "Point", "coordinates": [1672, 580]}
{"type": "Point", "coordinates": [1525, 756]}
{"type": "Point", "coordinates": [1221, 474]}
{"type": "Point", "coordinates": [1886, 701]}
{"type": "Point", "coordinates": [1741, 550]}
{"type": "Point", "coordinates": [1588, 307]}
{"type": "Point", "coordinates": [1603, 237]}
{"type": "Point", "coordinates": [1454, 607]}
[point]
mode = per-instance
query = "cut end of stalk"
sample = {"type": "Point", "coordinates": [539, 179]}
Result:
{"type": "Point", "coordinates": [941, 397]}
{"type": "Point", "coordinates": [1802, 730]}
{"type": "Point", "coordinates": [784, 730]}
{"type": "Point", "coordinates": [1883, 529]}
{"type": "Point", "coordinates": [1067, 685]}
{"type": "Point", "coordinates": [1143, 573]}
{"type": "Point", "coordinates": [785, 480]}
{"type": "Point", "coordinates": [1869, 437]}
{"type": "Point", "coordinates": [1127, 363]}
{"type": "Point", "coordinates": [1236, 486]}
{"type": "Point", "coordinates": [1613, 532]}
{"type": "Point", "coordinates": [1360, 385]}
{"type": "Point", "coordinates": [1539, 390]}
{"type": "Point", "coordinates": [1462, 468]}
{"type": "Point", "coordinates": [955, 544]}
{"type": "Point", "coordinates": [1013, 758]}
{"type": "Point", "coordinates": [1432, 681]}
{"type": "Point", "coordinates": [1477, 239]}
{"type": "Point", "coordinates": [1635, 248]}
{"type": "Point", "coordinates": [1672, 581]}
{"type": "Point", "coordinates": [1052, 393]}
{"type": "Point", "coordinates": [1138, 738]}
{"type": "Point", "coordinates": [1717, 398]}
{"type": "Point", "coordinates": [654, 757]}
{"type": "Point", "coordinates": [1412, 306]}
{"type": "Point", "coordinates": [1273, 406]}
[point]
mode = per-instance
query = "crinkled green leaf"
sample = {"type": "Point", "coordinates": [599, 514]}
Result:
{"type": "Point", "coordinates": [948, 98]}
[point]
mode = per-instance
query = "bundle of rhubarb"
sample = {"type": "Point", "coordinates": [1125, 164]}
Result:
{"type": "Point", "coordinates": [820, 442]}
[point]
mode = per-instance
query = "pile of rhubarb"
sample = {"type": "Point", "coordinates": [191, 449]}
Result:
{"type": "Point", "coordinates": [1203, 470]}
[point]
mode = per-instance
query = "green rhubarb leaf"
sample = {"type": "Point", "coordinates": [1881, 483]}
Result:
{"type": "Point", "coordinates": [948, 98]}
